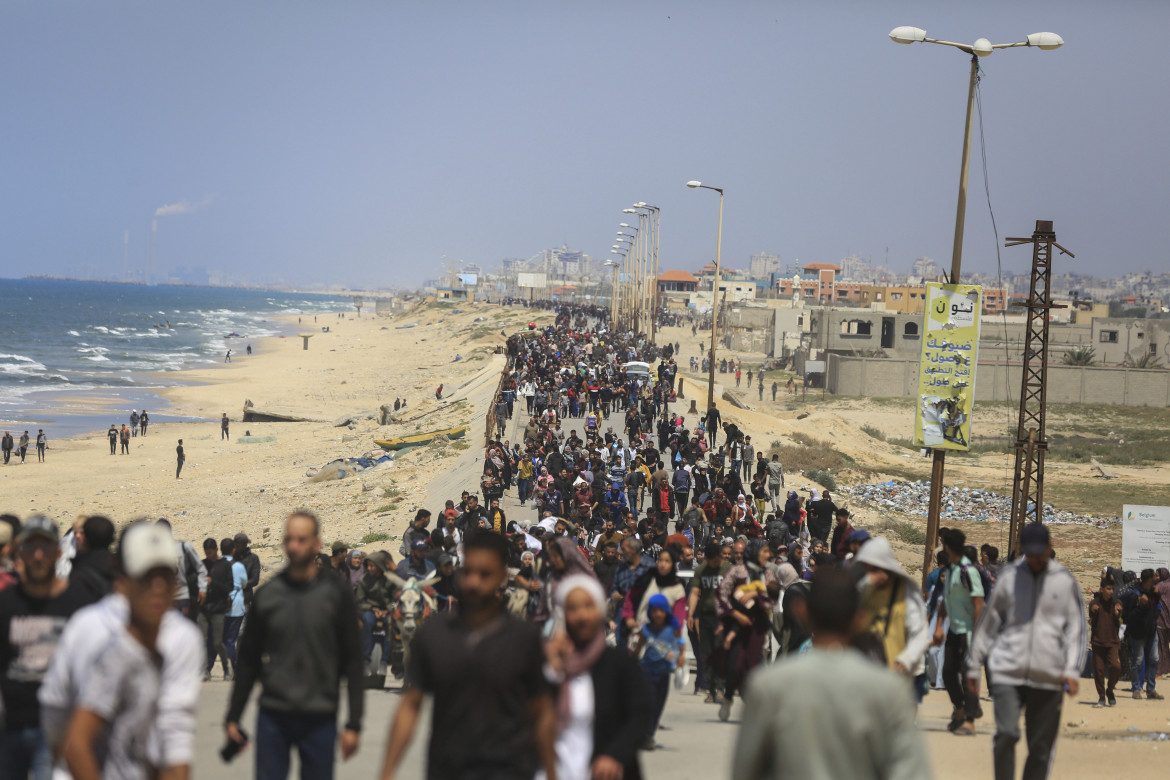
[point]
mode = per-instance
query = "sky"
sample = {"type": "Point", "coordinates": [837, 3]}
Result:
{"type": "Point", "coordinates": [361, 143]}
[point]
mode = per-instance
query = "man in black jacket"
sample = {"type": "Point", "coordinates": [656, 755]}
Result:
{"type": "Point", "coordinates": [92, 569]}
{"type": "Point", "coordinates": [302, 638]}
{"type": "Point", "coordinates": [243, 554]}
{"type": "Point", "coordinates": [1139, 609]}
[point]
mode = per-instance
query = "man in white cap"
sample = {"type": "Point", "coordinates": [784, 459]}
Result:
{"type": "Point", "coordinates": [118, 700]}
{"type": "Point", "coordinates": [93, 646]}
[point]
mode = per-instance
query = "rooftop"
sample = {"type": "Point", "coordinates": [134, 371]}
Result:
{"type": "Point", "coordinates": [677, 276]}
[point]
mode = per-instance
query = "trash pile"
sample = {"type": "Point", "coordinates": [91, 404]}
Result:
{"type": "Point", "coordinates": [958, 503]}
{"type": "Point", "coordinates": [346, 467]}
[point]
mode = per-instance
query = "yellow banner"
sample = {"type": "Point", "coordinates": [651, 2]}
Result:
{"type": "Point", "coordinates": [946, 371]}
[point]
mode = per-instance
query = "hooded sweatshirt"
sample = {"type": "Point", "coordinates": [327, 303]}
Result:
{"type": "Point", "coordinates": [897, 605]}
{"type": "Point", "coordinates": [1032, 631]}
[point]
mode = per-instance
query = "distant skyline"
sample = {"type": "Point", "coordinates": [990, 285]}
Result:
{"type": "Point", "coordinates": [358, 143]}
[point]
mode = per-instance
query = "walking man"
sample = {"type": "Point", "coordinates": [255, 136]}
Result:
{"type": "Point", "coordinates": [963, 604]}
{"type": "Point", "coordinates": [1032, 634]}
{"type": "Point", "coordinates": [1139, 608]}
{"type": "Point", "coordinates": [124, 435]}
{"type": "Point", "coordinates": [23, 446]}
{"type": "Point", "coordinates": [223, 428]}
{"type": "Point", "coordinates": [134, 422]}
{"type": "Point", "coordinates": [852, 695]}
{"type": "Point", "coordinates": [33, 614]}
{"type": "Point", "coordinates": [6, 444]}
{"type": "Point", "coordinates": [42, 443]}
{"type": "Point", "coordinates": [481, 666]}
{"type": "Point", "coordinates": [112, 435]}
{"type": "Point", "coordinates": [775, 471]}
{"type": "Point", "coordinates": [301, 640]}
{"type": "Point", "coordinates": [1105, 639]}
{"type": "Point", "coordinates": [181, 458]}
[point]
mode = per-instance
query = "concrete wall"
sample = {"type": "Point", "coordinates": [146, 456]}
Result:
{"type": "Point", "coordinates": [891, 378]}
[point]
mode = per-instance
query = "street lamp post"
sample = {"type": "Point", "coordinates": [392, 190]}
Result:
{"type": "Point", "coordinates": [982, 47]}
{"type": "Point", "coordinates": [631, 306]}
{"type": "Point", "coordinates": [714, 292]}
{"type": "Point", "coordinates": [613, 290]}
{"type": "Point", "coordinates": [654, 227]}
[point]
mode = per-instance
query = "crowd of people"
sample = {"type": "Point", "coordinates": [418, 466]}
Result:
{"type": "Point", "coordinates": [645, 545]}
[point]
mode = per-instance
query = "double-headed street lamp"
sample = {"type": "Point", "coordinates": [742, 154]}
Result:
{"type": "Point", "coordinates": [714, 291]}
{"type": "Point", "coordinates": [980, 48]}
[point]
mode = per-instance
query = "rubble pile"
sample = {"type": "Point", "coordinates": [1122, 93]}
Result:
{"type": "Point", "coordinates": [958, 503]}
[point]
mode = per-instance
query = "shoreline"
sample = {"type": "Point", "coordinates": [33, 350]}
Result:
{"type": "Point", "coordinates": [230, 485]}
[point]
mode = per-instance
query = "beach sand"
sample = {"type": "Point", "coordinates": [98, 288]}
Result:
{"type": "Point", "coordinates": [228, 486]}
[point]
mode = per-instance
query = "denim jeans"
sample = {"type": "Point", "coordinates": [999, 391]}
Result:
{"type": "Point", "coordinates": [1143, 649]}
{"type": "Point", "coordinates": [1041, 711]}
{"type": "Point", "coordinates": [277, 733]}
{"type": "Point", "coordinates": [522, 486]}
{"type": "Point", "coordinates": [368, 623]}
{"type": "Point", "coordinates": [659, 690]}
{"type": "Point", "coordinates": [231, 632]}
{"type": "Point", "coordinates": [212, 626]}
{"type": "Point", "coordinates": [24, 753]}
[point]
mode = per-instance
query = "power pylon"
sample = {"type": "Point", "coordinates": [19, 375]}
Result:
{"type": "Point", "coordinates": [1031, 439]}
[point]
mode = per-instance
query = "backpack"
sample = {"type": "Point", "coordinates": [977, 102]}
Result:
{"type": "Point", "coordinates": [219, 587]}
{"type": "Point", "coordinates": [985, 579]}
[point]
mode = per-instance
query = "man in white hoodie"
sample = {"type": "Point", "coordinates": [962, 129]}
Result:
{"type": "Point", "coordinates": [1032, 635]}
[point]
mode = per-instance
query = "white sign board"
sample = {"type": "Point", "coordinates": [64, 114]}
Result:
{"type": "Point", "coordinates": [1145, 537]}
{"type": "Point", "coordinates": [530, 280]}
{"type": "Point", "coordinates": [814, 366]}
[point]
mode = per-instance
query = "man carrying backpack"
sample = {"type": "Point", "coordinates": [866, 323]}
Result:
{"type": "Point", "coordinates": [963, 603]}
{"type": "Point", "coordinates": [192, 581]}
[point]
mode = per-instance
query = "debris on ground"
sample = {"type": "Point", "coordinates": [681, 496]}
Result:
{"type": "Point", "coordinates": [958, 503]}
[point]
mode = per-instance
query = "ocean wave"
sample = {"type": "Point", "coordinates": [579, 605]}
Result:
{"type": "Point", "coordinates": [98, 358]}
{"type": "Point", "coordinates": [73, 333]}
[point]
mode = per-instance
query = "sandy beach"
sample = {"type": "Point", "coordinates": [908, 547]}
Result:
{"type": "Point", "coordinates": [229, 486]}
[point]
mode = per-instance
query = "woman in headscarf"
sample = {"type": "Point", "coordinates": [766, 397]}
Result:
{"type": "Point", "coordinates": [792, 514]}
{"type": "Point", "coordinates": [603, 702]}
{"type": "Point", "coordinates": [357, 567]}
{"type": "Point", "coordinates": [661, 579]}
{"type": "Point", "coordinates": [564, 560]}
{"type": "Point", "coordinates": [745, 613]}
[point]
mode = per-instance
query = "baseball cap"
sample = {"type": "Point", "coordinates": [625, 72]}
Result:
{"type": "Point", "coordinates": [418, 544]}
{"type": "Point", "coordinates": [39, 525]}
{"type": "Point", "coordinates": [339, 546]}
{"type": "Point", "coordinates": [860, 535]}
{"type": "Point", "coordinates": [444, 559]}
{"type": "Point", "coordinates": [147, 546]}
{"type": "Point", "coordinates": [1034, 539]}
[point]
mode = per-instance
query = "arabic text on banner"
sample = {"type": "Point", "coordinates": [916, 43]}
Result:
{"type": "Point", "coordinates": [946, 371]}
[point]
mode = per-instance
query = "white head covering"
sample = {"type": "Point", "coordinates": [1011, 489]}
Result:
{"type": "Point", "coordinates": [589, 584]}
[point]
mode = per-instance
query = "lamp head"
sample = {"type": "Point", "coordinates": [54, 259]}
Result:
{"type": "Point", "coordinates": [629, 211]}
{"type": "Point", "coordinates": [640, 204]}
{"type": "Point", "coordinates": [1045, 40]}
{"type": "Point", "coordinates": [622, 224]}
{"type": "Point", "coordinates": [907, 35]}
{"type": "Point", "coordinates": [694, 184]}
{"type": "Point", "coordinates": [982, 47]}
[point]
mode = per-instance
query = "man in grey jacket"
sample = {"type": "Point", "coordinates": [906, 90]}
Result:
{"type": "Point", "coordinates": [1032, 634]}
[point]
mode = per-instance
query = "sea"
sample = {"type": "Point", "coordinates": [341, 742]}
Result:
{"type": "Point", "coordinates": [76, 356]}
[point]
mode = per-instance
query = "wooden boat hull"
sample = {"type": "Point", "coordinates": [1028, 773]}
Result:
{"type": "Point", "coordinates": [419, 439]}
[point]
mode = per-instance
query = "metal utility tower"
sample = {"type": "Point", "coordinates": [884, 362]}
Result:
{"type": "Point", "coordinates": [1031, 439]}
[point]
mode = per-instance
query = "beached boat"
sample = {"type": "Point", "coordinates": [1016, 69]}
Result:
{"type": "Point", "coordinates": [419, 439]}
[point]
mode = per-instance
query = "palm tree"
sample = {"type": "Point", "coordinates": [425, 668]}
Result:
{"type": "Point", "coordinates": [1080, 356]}
{"type": "Point", "coordinates": [1145, 360]}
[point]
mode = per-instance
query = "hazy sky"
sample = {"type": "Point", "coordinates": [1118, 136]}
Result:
{"type": "Point", "coordinates": [360, 142]}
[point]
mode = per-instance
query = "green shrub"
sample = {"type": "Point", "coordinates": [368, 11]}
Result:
{"type": "Point", "coordinates": [376, 536]}
{"type": "Point", "coordinates": [822, 477]}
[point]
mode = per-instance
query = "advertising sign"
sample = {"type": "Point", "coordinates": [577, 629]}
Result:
{"type": "Point", "coordinates": [1145, 537]}
{"type": "Point", "coordinates": [946, 370]}
{"type": "Point", "coordinates": [524, 279]}
{"type": "Point", "coordinates": [468, 280]}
